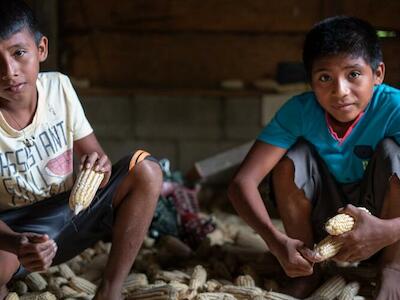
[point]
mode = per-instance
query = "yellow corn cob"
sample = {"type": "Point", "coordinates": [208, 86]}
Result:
{"type": "Point", "coordinates": [330, 289]}
{"type": "Point", "coordinates": [339, 224]}
{"type": "Point", "coordinates": [12, 296]}
{"type": "Point", "coordinates": [84, 189]}
{"type": "Point", "coordinates": [245, 281]}
{"type": "Point", "coordinates": [215, 296]}
{"type": "Point", "coordinates": [199, 277]}
{"type": "Point", "coordinates": [327, 248]}
{"type": "Point", "coordinates": [278, 296]}
{"type": "Point", "coordinates": [36, 282]}
{"type": "Point", "coordinates": [349, 291]}
{"type": "Point", "coordinates": [82, 285]}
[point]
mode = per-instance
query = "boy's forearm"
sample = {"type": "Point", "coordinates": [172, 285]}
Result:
{"type": "Point", "coordinates": [8, 238]}
{"type": "Point", "coordinates": [393, 230]}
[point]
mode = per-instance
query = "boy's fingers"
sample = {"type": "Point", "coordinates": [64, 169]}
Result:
{"type": "Point", "coordinates": [309, 255]}
{"type": "Point", "coordinates": [29, 248]}
{"type": "Point", "coordinates": [38, 238]}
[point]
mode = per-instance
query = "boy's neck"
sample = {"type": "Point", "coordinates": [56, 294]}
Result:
{"type": "Point", "coordinates": [19, 114]}
{"type": "Point", "coordinates": [340, 128]}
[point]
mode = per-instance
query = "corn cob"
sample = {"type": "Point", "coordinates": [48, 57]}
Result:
{"type": "Point", "coordinates": [164, 292]}
{"type": "Point", "coordinates": [244, 293]}
{"type": "Point", "coordinates": [135, 280]}
{"type": "Point", "coordinates": [245, 281]}
{"type": "Point", "coordinates": [212, 285]}
{"type": "Point", "coordinates": [65, 271]}
{"type": "Point", "coordinates": [215, 296]}
{"type": "Point", "coordinates": [175, 275]}
{"type": "Point", "coordinates": [12, 296]}
{"type": "Point", "coordinates": [66, 291]}
{"type": "Point", "coordinates": [198, 279]}
{"type": "Point", "coordinates": [36, 282]}
{"type": "Point", "coordinates": [38, 296]}
{"type": "Point", "coordinates": [327, 248]}
{"type": "Point", "coordinates": [278, 296]}
{"type": "Point", "coordinates": [82, 285]}
{"type": "Point", "coordinates": [339, 224]}
{"type": "Point", "coordinates": [181, 288]}
{"type": "Point", "coordinates": [349, 291]}
{"type": "Point", "coordinates": [84, 189]}
{"type": "Point", "coordinates": [330, 289]}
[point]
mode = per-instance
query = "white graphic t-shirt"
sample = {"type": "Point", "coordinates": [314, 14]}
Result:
{"type": "Point", "coordinates": [31, 172]}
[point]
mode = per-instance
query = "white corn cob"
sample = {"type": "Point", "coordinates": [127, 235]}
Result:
{"type": "Point", "coordinates": [66, 291]}
{"type": "Point", "coordinates": [239, 292]}
{"type": "Point", "coordinates": [181, 288]}
{"type": "Point", "coordinates": [55, 282]}
{"type": "Point", "coordinates": [84, 189]}
{"type": "Point", "coordinates": [65, 271]}
{"type": "Point", "coordinates": [339, 224]}
{"type": "Point", "coordinates": [20, 287]}
{"type": "Point", "coordinates": [135, 280]}
{"type": "Point", "coordinates": [327, 248]}
{"type": "Point", "coordinates": [245, 281]}
{"type": "Point", "coordinates": [349, 291]}
{"type": "Point", "coordinates": [198, 279]}
{"type": "Point", "coordinates": [82, 285]}
{"type": "Point", "coordinates": [212, 285]}
{"type": "Point", "coordinates": [215, 296]}
{"type": "Point", "coordinates": [36, 282]}
{"type": "Point", "coordinates": [38, 296]}
{"type": "Point", "coordinates": [164, 292]}
{"type": "Point", "coordinates": [12, 296]}
{"type": "Point", "coordinates": [330, 289]}
{"type": "Point", "coordinates": [278, 296]}
{"type": "Point", "coordinates": [175, 275]}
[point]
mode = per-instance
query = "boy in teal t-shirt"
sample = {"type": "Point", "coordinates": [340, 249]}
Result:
{"type": "Point", "coordinates": [334, 147]}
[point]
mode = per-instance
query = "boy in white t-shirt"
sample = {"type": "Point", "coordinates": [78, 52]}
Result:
{"type": "Point", "coordinates": [42, 125]}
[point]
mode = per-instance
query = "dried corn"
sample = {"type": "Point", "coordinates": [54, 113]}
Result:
{"type": "Point", "coordinates": [327, 248]}
{"type": "Point", "coordinates": [20, 287]}
{"type": "Point", "coordinates": [198, 279]}
{"type": "Point", "coordinates": [65, 271]}
{"type": "Point", "coordinates": [245, 281]}
{"type": "Point", "coordinates": [82, 285]}
{"type": "Point", "coordinates": [339, 224]}
{"type": "Point", "coordinates": [12, 296]}
{"type": "Point", "coordinates": [330, 289]}
{"type": "Point", "coordinates": [164, 292]}
{"type": "Point", "coordinates": [135, 280]}
{"type": "Point", "coordinates": [84, 189]}
{"type": "Point", "coordinates": [239, 292]}
{"type": "Point", "coordinates": [38, 296]}
{"type": "Point", "coordinates": [36, 282]}
{"type": "Point", "coordinates": [215, 296]}
{"type": "Point", "coordinates": [349, 291]}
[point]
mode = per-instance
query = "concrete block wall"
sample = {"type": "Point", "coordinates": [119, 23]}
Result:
{"type": "Point", "coordinates": [182, 129]}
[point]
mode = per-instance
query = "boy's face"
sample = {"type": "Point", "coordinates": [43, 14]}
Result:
{"type": "Point", "coordinates": [344, 85]}
{"type": "Point", "coordinates": [20, 57]}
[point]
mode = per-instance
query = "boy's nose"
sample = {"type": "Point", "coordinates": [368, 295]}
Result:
{"type": "Point", "coordinates": [340, 87]}
{"type": "Point", "coordinates": [8, 69]}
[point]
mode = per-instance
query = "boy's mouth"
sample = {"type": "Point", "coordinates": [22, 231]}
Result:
{"type": "Point", "coordinates": [15, 88]}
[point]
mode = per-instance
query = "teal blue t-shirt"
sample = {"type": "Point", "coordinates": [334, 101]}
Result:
{"type": "Point", "coordinates": [347, 158]}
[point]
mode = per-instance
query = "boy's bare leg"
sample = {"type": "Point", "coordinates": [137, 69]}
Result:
{"type": "Point", "coordinates": [390, 261]}
{"type": "Point", "coordinates": [9, 265]}
{"type": "Point", "coordinates": [295, 211]}
{"type": "Point", "coordinates": [135, 203]}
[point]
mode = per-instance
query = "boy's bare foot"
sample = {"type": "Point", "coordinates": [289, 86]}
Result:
{"type": "Point", "coordinates": [3, 292]}
{"type": "Point", "coordinates": [389, 288]}
{"type": "Point", "coordinates": [302, 287]}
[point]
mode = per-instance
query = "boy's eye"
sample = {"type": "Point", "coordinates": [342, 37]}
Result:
{"type": "Point", "coordinates": [324, 78]}
{"type": "Point", "coordinates": [354, 74]}
{"type": "Point", "coordinates": [19, 52]}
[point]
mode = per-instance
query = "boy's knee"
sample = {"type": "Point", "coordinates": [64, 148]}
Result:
{"type": "Point", "coordinates": [147, 172]}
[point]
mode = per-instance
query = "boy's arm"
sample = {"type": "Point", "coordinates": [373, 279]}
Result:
{"type": "Point", "coordinates": [245, 197]}
{"type": "Point", "coordinates": [90, 153]}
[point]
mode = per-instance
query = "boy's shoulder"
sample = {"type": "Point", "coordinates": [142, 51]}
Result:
{"type": "Point", "coordinates": [45, 77]}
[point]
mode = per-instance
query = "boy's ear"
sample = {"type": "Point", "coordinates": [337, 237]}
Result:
{"type": "Point", "coordinates": [43, 48]}
{"type": "Point", "coordinates": [379, 73]}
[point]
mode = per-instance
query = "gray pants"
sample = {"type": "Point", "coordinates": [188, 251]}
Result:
{"type": "Point", "coordinates": [327, 195]}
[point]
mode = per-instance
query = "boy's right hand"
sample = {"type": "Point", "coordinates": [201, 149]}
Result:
{"type": "Point", "coordinates": [290, 254]}
{"type": "Point", "coordinates": [35, 251]}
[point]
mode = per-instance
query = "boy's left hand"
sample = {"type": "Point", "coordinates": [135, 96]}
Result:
{"type": "Point", "coordinates": [369, 235]}
{"type": "Point", "coordinates": [99, 162]}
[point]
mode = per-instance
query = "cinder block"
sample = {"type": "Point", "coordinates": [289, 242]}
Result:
{"type": "Point", "coordinates": [110, 116]}
{"type": "Point", "coordinates": [178, 117]}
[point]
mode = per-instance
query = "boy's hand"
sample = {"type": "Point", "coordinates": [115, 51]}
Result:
{"type": "Point", "coordinates": [35, 251]}
{"type": "Point", "coordinates": [289, 254]}
{"type": "Point", "coordinates": [369, 235]}
{"type": "Point", "coordinates": [101, 163]}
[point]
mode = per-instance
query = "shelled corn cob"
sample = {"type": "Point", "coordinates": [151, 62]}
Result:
{"type": "Point", "coordinates": [84, 189]}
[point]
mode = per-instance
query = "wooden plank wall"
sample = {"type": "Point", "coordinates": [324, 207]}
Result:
{"type": "Point", "coordinates": [198, 43]}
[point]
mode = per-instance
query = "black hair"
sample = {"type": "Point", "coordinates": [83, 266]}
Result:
{"type": "Point", "coordinates": [16, 15]}
{"type": "Point", "coordinates": [342, 35]}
